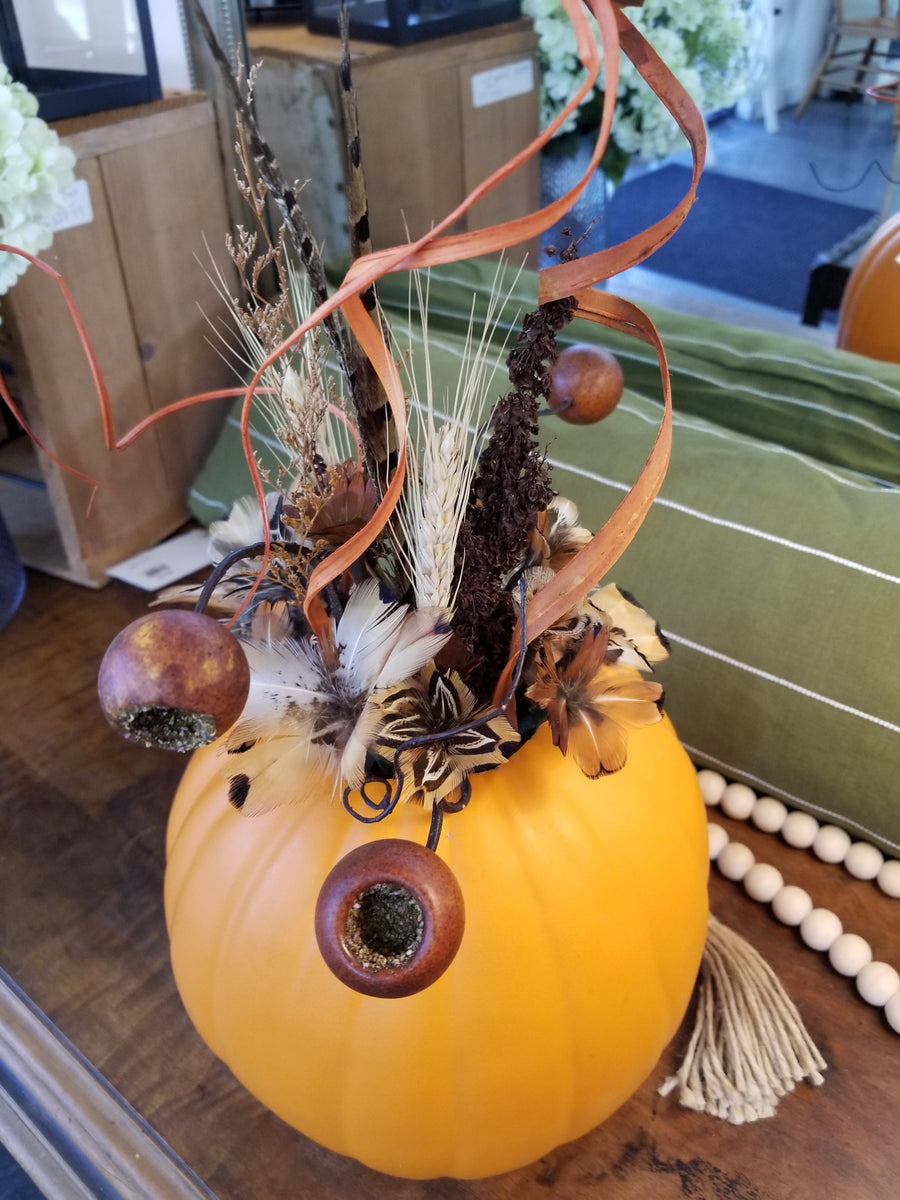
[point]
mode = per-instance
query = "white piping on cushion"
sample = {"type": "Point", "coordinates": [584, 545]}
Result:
{"type": "Point", "coordinates": [698, 648]}
{"type": "Point", "coordinates": [737, 527]}
{"type": "Point", "coordinates": [764, 787]}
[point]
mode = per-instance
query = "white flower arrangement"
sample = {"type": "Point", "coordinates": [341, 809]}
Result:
{"type": "Point", "coordinates": [35, 169]}
{"type": "Point", "coordinates": [705, 43]}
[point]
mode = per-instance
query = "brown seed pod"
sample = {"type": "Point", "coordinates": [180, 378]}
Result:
{"type": "Point", "coordinates": [389, 918]}
{"type": "Point", "coordinates": [586, 384]}
{"type": "Point", "coordinates": [173, 680]}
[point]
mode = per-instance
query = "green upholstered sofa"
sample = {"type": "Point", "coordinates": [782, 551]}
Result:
{"type": "Point", "coordinates": [771, 557]}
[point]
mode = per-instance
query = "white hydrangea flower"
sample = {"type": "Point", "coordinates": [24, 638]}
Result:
{"type": "Point", "coordinates": [34, 170]}
{"type": "Point", "coordinates": [705, 43]}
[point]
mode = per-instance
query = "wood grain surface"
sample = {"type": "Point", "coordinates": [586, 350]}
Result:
{"type": "Point", "coordinates": [82, 823]}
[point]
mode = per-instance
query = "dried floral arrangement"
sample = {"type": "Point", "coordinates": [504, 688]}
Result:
{"type": "Point", "coordinates": [411, 596]}
{"type": "Point", "coordinates": [382, 582]}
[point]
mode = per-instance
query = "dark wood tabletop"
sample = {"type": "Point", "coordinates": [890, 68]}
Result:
{"type": "Point", "coordinates": [82, 822]}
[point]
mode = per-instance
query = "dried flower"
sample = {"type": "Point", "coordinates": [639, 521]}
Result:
{"type": "Point", "coordinates": [434, 767]}
{"type": "Point", "coordinates": [299, 698]}
{"type": "Point", "coordinates": [636, 639]}
{"type": "Point", "coordinates": [591, 704]}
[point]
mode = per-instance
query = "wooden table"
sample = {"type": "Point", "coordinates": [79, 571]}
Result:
{"type": "Point", "coordinates": [83, 817]}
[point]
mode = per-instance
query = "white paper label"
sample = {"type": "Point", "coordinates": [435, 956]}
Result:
{"type": "Point", "coordinates": [73, 207]}
{"type": "Point", "coordinates": [502, 83]}
{"type": "Point", "coordinates": [166, 563]}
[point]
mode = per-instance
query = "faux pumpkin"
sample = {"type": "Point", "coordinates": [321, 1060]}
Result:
{"type": "Point", "coordinates": [867, 322]}
{"type": "Point", "coordinates": [586, 916]}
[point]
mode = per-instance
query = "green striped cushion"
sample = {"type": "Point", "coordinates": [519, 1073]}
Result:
{"type": "Point", "coordinates": [777, 580]}
{"type": "Point", "coordinates": [839, 407]}
{"type": "Point", "coordinates": [775, 575]}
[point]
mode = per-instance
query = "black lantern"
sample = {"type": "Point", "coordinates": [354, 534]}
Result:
{"type": "Point", "coordinates": [401, 22]}
{"type": "Point", "coordinates": [80, 56]}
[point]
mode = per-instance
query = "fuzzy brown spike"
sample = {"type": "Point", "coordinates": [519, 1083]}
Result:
{"type": "Point", "coordinates": [511, 486]}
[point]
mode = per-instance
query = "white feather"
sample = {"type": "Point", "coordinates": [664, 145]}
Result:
{"type": "Point", "coordinates": [274, 767]}
{"type": "Point", "coordinates": [423, 632]}
{"type": "Point", "coordinates": [365, 635]}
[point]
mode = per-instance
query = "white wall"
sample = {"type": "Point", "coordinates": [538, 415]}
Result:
{"type": "Point", "coordinates": [168, 39]}
{"type": "Point", "coordinates": [800, 32]}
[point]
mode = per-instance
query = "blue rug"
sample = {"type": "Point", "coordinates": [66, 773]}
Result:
{"type": "Point", "coordinates": [742, 238]}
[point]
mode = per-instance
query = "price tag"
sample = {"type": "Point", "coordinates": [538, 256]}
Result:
{"type": "Point", "coordinates": [166, 563]}
{"type": "Point", "coordinates": [502, 83]}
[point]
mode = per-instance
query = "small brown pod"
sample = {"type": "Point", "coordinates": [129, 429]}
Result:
{"type": "Point", "coordinates": [586, 384]}
{"type": "Point", "coordinates": [389, 918]}
{"type": "Point", "coordinates": [173, 680]}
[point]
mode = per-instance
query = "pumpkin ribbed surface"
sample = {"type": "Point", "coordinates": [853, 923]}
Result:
{"type": "Point", "coordinates": [586, 913]}
{"type": "Point", "coordinates": [867, 321]}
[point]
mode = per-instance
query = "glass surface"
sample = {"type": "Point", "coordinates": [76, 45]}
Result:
{"type": "Point", "coordinates": [102, 36]}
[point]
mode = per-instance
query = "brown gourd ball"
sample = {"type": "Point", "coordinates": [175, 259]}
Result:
{"type": "Point", "coordinates": [586, 384]}
{"type": "Point", "coordinates": [173, 680]}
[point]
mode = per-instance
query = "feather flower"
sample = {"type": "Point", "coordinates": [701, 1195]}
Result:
{"type": "Point", "coordinates": [557, 536]}
{"type": "Point", "coordinates": [322, 711]}
{"type": "Point", "coordinates": [439, 704]}
{"type": "Point", "coordinates": [636, 639]}
{"type": "Point", "coordinates": [591, 704]}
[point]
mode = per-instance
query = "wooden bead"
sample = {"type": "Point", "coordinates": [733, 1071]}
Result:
{"type": "Point", "coordinates": [831, 844]}
{"type": "Point", "coordinates": [738, 801]}
{"type": "Point", "coordinates": [820, 929]}
{"type": "Point", "coordinates": [877, 982]}
{"type": "Point", "coordinates": [849, 953]}
{"type": "Point", "coordinates": [586, 384]}
{"type": "Point", "coordinates": [799, 830]}
{"type": "Point", "coordinates": [791, 904]}
{"type": "Point", "coordinates": [735, 860]}
{"type": "Point", "coordinates": [863, 860]}
{"type": "Point", "coordinates": [892, 1012]}
{"type": "Point", "coordinates": [712, 785]}
{"type": "Point", "coordinates": [889, 878]}
{"type": "Point", "coordinates": [769, 814]}
{"type": "Point", "coordinates": [763, 882]}
{"type": "Point", "coordinates": [718, 840]}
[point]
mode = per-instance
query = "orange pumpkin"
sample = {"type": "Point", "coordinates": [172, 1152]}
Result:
{"type": "Point", "coordinates": [586, 913]}
{"type": "Point", "coordinates": [867, 322]}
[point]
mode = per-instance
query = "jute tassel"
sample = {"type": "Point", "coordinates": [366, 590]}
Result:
{"type": "Point", "coordinates": [749, 1046]}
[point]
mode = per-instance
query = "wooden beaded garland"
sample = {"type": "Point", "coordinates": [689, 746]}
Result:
{"type": "Point", "coordinates": [889, 878]}
{"type": "Point", "coordinates": [849, 954]}
{"type": "Point", "coordinates": [831, 844]}
{"type": "Point", "coordinates": [791, 904]}
{"type": "Point", "coordinates": [799, 830]}
{"type": "Point", "coordinates": [877, 983]}
{"type": "Point", "coordinates": [763, 882]}
{"type": "Point", "coordinates": [821, 928]}
{"type": "Point", "coordinates": [863, 860]}
{"type": "Point", "coordinates": [892, 1012]}
{"type": "Point", "coordinates": [769, 814]}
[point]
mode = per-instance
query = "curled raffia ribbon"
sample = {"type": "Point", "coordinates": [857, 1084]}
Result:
{"type": "Point", "coordinates": [577, 278]}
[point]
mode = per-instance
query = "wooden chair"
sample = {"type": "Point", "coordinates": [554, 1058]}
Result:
{"type": "Point", "coordinates": [857, 68]}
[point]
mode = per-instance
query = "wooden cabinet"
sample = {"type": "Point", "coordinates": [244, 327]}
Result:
{"type": "Point", "coordinates": [435, 120]}
{"type": "Point", "coordinates": [154, 219]}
